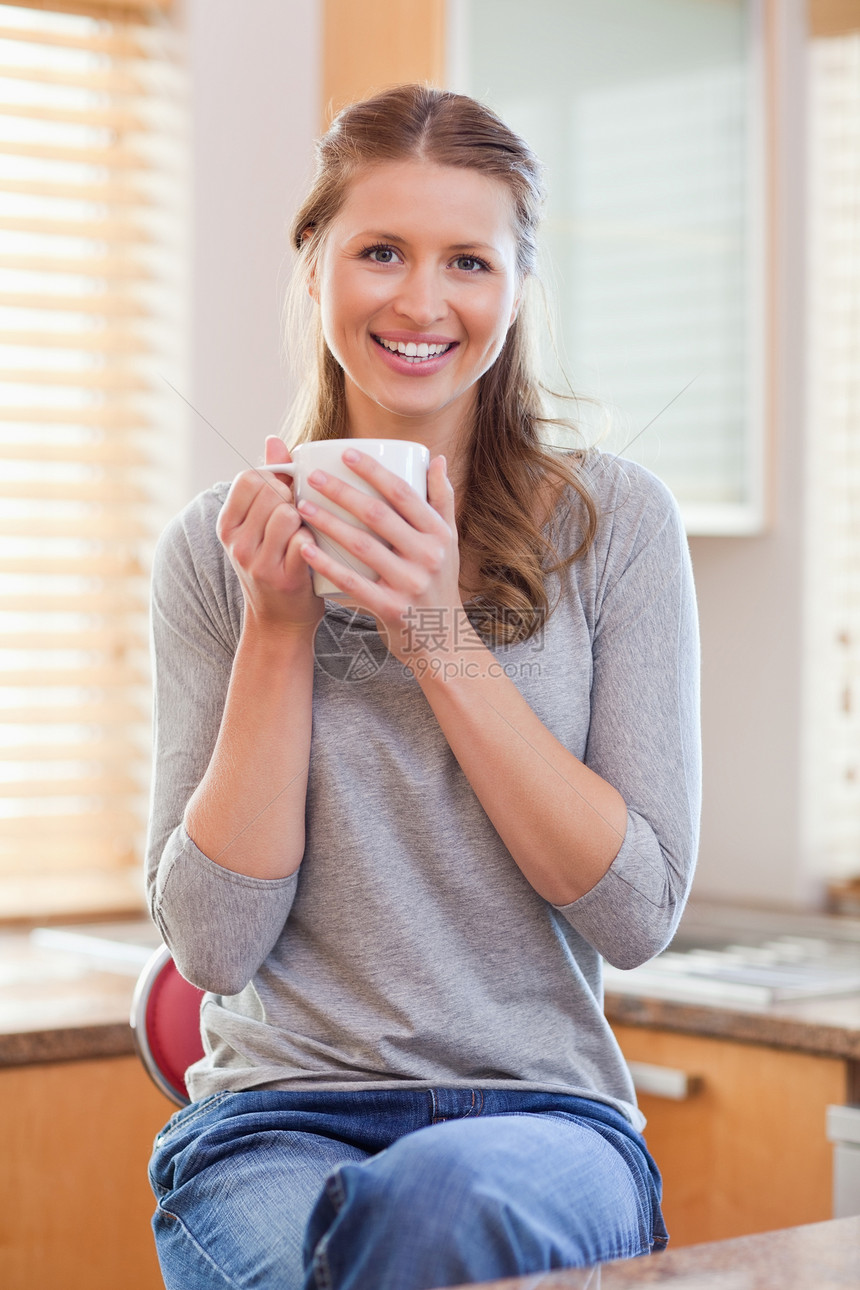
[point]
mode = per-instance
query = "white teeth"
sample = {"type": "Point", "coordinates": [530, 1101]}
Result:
{"type": "Point", "coordinates": [415, 353]}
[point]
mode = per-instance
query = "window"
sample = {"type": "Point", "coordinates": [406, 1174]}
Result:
{"type": "Point", "coordinates": [649, 116]}
{"type": "Point", "coordinates": [91, 331]}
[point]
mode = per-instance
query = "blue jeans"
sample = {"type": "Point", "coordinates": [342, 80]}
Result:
{"type": "Point", "coordinates": [397, 1190]}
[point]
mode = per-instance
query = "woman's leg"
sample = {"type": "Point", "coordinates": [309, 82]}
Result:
{"type": "Point", "coordinates": [235, 1189]}
{"type": "Point", "coordinates": [479, 1199]}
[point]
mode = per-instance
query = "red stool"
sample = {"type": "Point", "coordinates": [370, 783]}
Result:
{"type": "Point", "coordinates": [165, 1019]}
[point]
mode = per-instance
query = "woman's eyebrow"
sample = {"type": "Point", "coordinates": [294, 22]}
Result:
{"type": "Point", "coordinates": [474, 246]}
{"type": "Point", "coordinates": [382, 236]}
{"type": "Point", "coordinates": [377, 236]}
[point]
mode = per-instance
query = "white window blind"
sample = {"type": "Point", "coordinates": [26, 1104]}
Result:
{"type": "Point", "coordinates": [91, 305]}
{"type": "Point", "coordinates": [832, 707]}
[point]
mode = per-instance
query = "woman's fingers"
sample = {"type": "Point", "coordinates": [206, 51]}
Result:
{"type": "Point", "coordinates": [251, 499]}
{"type": "Point", "coordinates": [369, 595]}
{"type": "Point", "coordinates": [276, 450]}
{"type": "Point", "coordinates": [257, 526]}
{"type": "Point", "coordinates": [410, 553]}
{"type": "Point", "coordinates": [254, 494]}
{"type": "Point", "coordinates": [281, 524]}
{"type": "Point", "coordinates": [400, 517]}
{"type": "Point", "coordinates": [389, 565]}
{"type": "Point", "coordinates": [440, 491]}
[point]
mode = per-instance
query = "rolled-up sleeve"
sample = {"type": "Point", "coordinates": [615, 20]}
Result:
{"type": "Point", "coordinates": [644, 737]}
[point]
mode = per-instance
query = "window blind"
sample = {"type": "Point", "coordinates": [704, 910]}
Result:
{"type": "Point", "coordinates": [833, 462]}
{"type": "Point", "coordinates": [91, 197]}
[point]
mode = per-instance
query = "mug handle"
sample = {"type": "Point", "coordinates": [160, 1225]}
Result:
{"type": "Point", "coordinates": [278, 468]}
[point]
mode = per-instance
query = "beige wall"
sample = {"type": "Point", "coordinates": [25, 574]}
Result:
{"type": "Point", "coordinates": [255, 94]}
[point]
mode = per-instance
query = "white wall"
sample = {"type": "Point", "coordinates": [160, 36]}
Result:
{"type": "Point", "coordinates": [255, 92]}
{"type": "Point", "coordinates": [751, 594]}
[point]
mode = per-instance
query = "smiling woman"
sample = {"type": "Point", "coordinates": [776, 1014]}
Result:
{"type": "Point", "coordinates": [397, 883]}
{"type": "Point", "coordinates": [386, 297]}
{"type": "Point", "coordinates": [506, 549]}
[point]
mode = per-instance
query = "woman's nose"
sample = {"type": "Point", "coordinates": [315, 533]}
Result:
{"type": "Point", "coordinates": [422, 297]}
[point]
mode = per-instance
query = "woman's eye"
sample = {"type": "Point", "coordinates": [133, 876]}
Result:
{"type": "Point", "coordinates": [469, 263]}
{"type": "Point", "coordinates": [382, 254]}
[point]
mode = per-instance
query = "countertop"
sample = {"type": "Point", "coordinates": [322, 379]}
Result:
{"type": "Point", "coordinates": [58, 1005]}
{"type": "Point", "coordinates": [822, 1256]}
{"type": "Point", "coordinates": [825, 1025]}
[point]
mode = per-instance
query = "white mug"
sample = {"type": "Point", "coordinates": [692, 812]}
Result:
{"type": "Point", "coordinates": [401, 456]}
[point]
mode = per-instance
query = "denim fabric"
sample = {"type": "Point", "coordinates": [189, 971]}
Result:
{"type": "Point", "coordinates": [397, 1189]}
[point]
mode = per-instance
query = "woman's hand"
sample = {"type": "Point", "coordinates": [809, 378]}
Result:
{"type": "Point", "coordinates": [262, 533]}
{"type": "Point", "coordinates": [418, 569]}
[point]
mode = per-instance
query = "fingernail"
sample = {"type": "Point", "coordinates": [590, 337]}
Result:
{"type": "Point", "coordinates": [307, 508]}
{"type": "Point", "coordinates": [317, 477]}
{"type": "Point", "coordinates": [351, 456]}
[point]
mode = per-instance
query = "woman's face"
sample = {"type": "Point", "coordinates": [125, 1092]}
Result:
{"type": "Point", "coordinates": [417, 285]}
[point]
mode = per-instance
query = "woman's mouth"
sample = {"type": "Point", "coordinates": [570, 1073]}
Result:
{"type": "Point", "coordinates": [415, 352]}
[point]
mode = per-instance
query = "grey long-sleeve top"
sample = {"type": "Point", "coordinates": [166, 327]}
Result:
{"type": "Point", "coordinates": [409, 946]}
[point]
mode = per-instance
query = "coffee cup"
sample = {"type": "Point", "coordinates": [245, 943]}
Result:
{"type": "Point", "coordinates": [401, 456]}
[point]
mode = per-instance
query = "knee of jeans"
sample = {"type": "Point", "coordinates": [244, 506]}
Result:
{"type": "Point", "coordinates": [425, 1184]}
{"type": "Point", "coordinates": [471, 1191]}
{"type": "Point", "coordinates": [431, 1211]}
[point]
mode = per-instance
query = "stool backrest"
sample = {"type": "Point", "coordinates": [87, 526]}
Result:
{"type": "Point", "coordinates": [165, 1019]}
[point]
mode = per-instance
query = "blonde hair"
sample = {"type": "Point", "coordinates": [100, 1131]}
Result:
{"type": "Point", "coordinates": [508, 466]}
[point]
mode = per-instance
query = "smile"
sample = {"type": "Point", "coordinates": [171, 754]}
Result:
{"type": "Point", "coordinates": [413, 352]}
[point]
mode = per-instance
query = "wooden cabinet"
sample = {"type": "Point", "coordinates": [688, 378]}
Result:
{"type": "Point", "coordinates": [75, 1204]}
{"type": "Point", "coordinates": [747, 1151]}
{"type": "Point", "coordinates": [378, 43]}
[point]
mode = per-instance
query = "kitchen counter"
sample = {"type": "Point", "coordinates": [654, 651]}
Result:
{"type": "Point", "coordinates": [58, 1005]}
{"type": "Point", "coordinates": [821, 1256]}
{"type": "Point", "coordinates": [829, 1027]}
{"type": "Point", "coordinates": [826, 1025]}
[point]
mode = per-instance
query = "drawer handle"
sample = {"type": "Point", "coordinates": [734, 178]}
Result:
{"type": "Point", "coordinates": [663, 1081]}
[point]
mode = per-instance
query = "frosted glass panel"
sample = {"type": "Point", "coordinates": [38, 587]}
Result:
{"type": "Point", "coordinates": [643, 111]}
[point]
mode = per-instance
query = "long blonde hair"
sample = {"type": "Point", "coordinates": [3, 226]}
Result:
{"type": "Point", "coordinates": [508, 466]}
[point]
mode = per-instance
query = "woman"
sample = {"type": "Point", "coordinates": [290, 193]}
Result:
{"type": "Point", "coordinates": [397, 889]}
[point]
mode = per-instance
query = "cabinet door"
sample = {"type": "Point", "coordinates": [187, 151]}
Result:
{"type": "Point", "coordinates": [75, 1204]}
{"type": "Point", "coordinates": [378, 43]}
{"type": "Point", "coordinates": [747, 1151]}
